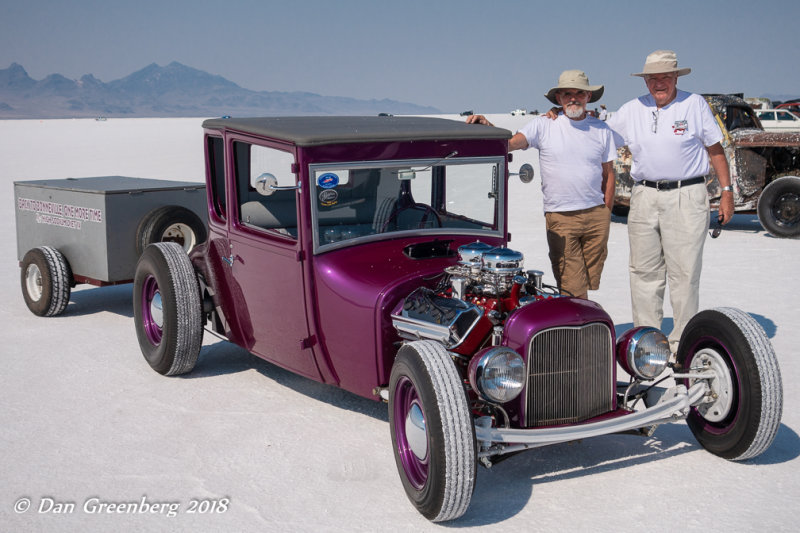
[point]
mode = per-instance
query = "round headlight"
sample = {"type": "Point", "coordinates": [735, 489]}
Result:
{"type": "Point", "coordinates": [498, 374]}
{"type": "Point", "coordinates": [643, 352]}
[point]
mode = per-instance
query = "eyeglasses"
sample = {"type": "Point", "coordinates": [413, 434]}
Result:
{"type": "Point", "coordinates": [717, 229]}
{"type": "Point", "coordinates": [654, 127]}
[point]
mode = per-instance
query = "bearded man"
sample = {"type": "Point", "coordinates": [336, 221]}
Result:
{"type": "Point", "coordinates": [576, 159]}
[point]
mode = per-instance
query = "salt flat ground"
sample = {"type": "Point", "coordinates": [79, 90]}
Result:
{"type": "Point", "coordinates": [84, 420]}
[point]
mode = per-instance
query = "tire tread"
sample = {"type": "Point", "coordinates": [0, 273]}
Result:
{"type": "Point", "coordinates": [60, 280]}
{"type": "Point", "coordinates": [458, 435]}
{"type": "Point", "coordinates": [770, 382]}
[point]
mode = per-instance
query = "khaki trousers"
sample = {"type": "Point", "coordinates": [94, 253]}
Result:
{"type": "Point", "coordinates": [667, 231]}
{"type": "Point", "coordinates": [578, 242]}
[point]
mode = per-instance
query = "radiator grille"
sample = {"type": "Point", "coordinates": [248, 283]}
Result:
{"type": "Point", "coordinates": [570, 375]}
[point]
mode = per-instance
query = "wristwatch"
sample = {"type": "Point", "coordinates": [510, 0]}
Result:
{"type": "Point", "coordinates": [727, 188]}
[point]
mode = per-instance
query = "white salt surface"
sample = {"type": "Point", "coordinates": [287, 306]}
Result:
{"type": "Point", "coordinates": [85, 421]}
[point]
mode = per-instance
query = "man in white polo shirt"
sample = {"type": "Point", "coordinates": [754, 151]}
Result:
{"type": "Point", "coordinates": [672, 136]}
{"type": "Point", "coordinates": [576, 158]}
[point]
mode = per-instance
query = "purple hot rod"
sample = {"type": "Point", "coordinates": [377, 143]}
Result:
{"type": "Point", "coordinates": [372, 253]}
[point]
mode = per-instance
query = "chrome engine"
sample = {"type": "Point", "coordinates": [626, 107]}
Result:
{"type": "Point", "coordinates": [475, 294]}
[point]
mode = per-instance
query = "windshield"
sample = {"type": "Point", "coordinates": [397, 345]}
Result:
{"type": "Point", "coordinates": [353, 202]}
{"type": "Point", "coordinates": [739, 117]}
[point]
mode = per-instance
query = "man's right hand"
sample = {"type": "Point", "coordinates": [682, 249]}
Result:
{"type": "Point", "coordinates": [553, 113]}
{"type": "Point", "coordinates": [478, 119]}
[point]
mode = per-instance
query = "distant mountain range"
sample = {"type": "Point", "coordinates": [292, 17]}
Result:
{"type": "Point", "coordinates": [171, 91]}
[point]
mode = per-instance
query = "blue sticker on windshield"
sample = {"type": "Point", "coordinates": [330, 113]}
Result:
{"type": "Point", "coordinates": [329, 180]}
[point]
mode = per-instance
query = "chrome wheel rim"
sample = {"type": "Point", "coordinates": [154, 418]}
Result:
{"type": "Point", "coordinates": [33, 282]}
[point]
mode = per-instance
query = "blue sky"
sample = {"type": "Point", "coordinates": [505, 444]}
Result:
{"type": "Point", "coordinates": [488, 56]}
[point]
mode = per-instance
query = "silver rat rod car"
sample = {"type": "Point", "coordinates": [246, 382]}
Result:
{"type": "Point", "coordinates": [372, 253]}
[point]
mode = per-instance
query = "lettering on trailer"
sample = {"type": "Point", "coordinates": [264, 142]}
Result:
{"type": "Point", "coordinates": [62, 215]}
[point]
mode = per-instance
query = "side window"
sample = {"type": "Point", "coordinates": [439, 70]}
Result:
{"type": "Point", "coordinates": [216, 172]}
{"type": "Point", "coordinates": [258, 170]}
{"type": "Point", "coordinates": [767, 115]}
{"type": "Point", "coordinates": [784, 115]}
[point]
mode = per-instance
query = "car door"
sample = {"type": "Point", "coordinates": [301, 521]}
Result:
{"type": "Point", "coordinates": [787, 120]}
{"type": "Point", "coordinates": [265, 255]}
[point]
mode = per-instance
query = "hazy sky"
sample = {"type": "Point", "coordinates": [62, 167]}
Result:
{"type": "Point", "coordinates": [488, 56]}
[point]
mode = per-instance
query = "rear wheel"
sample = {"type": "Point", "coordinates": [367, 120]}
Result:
{"type": "Point", "coordinates": [46, 281]}
{"type": "Point", "coordinates": [167, 309]}
{"type": "Point", "coordinates": [433, 436]}
{"type": "Point", "coordinates": [779, 207]}
{"type": "Point", "coordinates": [742, 413]}
{"type": "Point", "coordinates": [171, 223]}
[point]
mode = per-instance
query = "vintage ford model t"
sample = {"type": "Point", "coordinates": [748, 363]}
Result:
{"type": "Point", "coordinates": [371, 253]}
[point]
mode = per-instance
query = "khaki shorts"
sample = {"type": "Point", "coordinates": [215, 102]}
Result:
{"type": "Point", "coordinates": [578, 247]}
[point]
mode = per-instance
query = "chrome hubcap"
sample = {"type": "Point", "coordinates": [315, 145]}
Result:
{"type": "Point", "coordinates": [156, 311]}
{"type": "Point", "coordinates": [415, 432]}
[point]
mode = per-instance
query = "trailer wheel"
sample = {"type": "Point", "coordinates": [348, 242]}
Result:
{"type": "Point", "coordinates": [167, 309]}
{"type": "Point", "coordinates": [171, 223]}
{"type": "Point", "coordinates": [46, 281]}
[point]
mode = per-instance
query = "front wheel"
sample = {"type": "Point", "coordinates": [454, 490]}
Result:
{"type": "Point", "coordinates": [433, 436]}
{"type": "Point", "coordinates": [779, 207]}
{"type": "Point", "coordinates": [167, 309]}
{"type": "Point", "coordinates": [740, 416]}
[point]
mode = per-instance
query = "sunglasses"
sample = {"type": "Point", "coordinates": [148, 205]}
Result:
{"type": "Point", "coordinates": [654, 127]}
{"type": "Point", "coordinates": [716, 230]}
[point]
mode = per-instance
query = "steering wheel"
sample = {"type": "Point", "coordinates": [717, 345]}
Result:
{"type": "Point", "coordinates": [426, 209]}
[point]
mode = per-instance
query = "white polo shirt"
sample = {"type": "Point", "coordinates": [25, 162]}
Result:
{"type": "Point", "coordinates": [668, 143]}
{"type": "Point", "coordinates": [571, 154]}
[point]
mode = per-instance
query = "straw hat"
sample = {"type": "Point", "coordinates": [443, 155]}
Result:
{"type": "Point", "coordinates": [575, 79]}
{"type": "Point", "coordinates": [661, 62]}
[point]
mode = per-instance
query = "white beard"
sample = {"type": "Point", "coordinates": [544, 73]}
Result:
{"type": "Point", "coordinates": [574, 112]}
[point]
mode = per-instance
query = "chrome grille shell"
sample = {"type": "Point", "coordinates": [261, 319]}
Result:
{"type": "Point", "coordinates": [571, 375]}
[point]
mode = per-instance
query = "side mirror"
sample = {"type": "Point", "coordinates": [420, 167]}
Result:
{"type": "Point", "coordinates": [525, 173]}
{"type": "Point", "coordinates": [265, 184]}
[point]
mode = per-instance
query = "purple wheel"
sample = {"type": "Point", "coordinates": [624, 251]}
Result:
{"type": "Point", "coordinates": [433, 436]}
{"type": "Point", "coordinates": [152, 311]}
{"type": "Point", "coordinates": [167, 309]}
{"type": "Point", "coordinates": [410, 433]}
{"type": "Point", "coordinates": [740, 415]}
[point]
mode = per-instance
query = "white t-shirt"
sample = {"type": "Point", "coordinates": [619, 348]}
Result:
{"type": "Point", "coordinates": [676, 150]}
{"type": "Point", "coordinates": [571, 154]}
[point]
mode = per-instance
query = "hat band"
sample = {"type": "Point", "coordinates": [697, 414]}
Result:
{"type": "Point", "coordinates": [663, 66]}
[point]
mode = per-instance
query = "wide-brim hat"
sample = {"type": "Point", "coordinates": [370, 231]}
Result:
{"type": "Point", "coordinates": [661, 62]}
{"type": "Point", "coordinates": [575, 79]}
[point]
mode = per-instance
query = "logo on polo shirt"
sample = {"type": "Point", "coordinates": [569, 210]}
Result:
{"type": "Point", "coordinates": [680, 127]}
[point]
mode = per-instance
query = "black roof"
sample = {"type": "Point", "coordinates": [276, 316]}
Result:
{"type": "Point", "coordinates": [315, 130]}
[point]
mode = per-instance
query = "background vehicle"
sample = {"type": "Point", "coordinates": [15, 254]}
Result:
{"type": "Point", "coordinates": [371, 253]}
{"type": "Point", "coordinates": [764, 166]}
{"type": "Point", "coordinates": [92, 230]}
{"type": "Point", "coordinates": [792, 105]}
{"type": "Point", "coordinates": [778, 120]}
